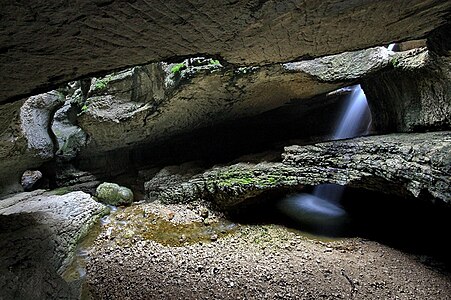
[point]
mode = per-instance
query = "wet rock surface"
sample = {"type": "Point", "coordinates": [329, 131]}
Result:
{"type": "Point", "coordinates": [39, 232]}
{"type": "Point", "coordinates": [107, 35]}
{"type": "Point", "coordinates": [409, 165]}
{"type": "Point", "coordinates": [252, 262]}
{"type": "Point", "coordinates": [70, 138]}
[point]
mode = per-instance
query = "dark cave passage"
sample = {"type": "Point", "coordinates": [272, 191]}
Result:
{"type": "Point", "coordinates": [407, 224]}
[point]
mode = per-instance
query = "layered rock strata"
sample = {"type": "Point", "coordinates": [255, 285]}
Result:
{"type": "Point", "coordinates": [158, 101]}
{"type": "Point", "coordinates": [47, 43]}
{"type": "Point", "coordinates": [407, 165]}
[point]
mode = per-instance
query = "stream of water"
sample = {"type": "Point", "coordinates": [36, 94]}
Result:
{"type": "Point", "coordinates": [321, 211]}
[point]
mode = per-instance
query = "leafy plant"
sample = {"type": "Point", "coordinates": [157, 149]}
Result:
{"type": "Point", "coordinates": [214, 62]}
{"type": "Point", "coordinates": [84, 109]}
{"type": "Point", "coordinates": [395, 61]}
{"type": "Point", "coordinates": [102, 83]}
{"type": "Point", "coordinates": [177, 68]}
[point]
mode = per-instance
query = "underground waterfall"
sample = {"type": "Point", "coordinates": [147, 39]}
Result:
{"type": "Point", "coordinates": [321, 211]}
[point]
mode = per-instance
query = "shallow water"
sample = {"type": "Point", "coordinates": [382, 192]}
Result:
{"type": "Point", "coordinates": [125, 226]}
{"type": "Point", "coordinates": [135, 223]}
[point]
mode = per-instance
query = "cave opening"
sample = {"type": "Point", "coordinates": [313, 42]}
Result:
{"type": "Point", "coordinates": [410, 225]}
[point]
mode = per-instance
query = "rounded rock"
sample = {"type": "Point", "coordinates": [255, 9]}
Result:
{"type": "Point", "coordinates": [114, 194]}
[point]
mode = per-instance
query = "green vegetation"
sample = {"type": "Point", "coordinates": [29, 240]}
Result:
{"type": "Point", "coordinates": [60, 191]}
{"type": "Point", "coordinates": [395, 62]}
{"type": "Point", "coordinates": [214, 62]}
{"type": "Point", "coordinates": [178, 67]}
{"type": "Point", "coordinates": [101, 84]}
{"type": "Point", "coordinates": [83, 109]}
{"type": "Point", "coordinates": [239, 177]}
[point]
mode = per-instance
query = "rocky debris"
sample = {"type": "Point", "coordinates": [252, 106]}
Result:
{"type": "Point", "coordinates": [258, 262]}
{"type": "Point", "coordinates": [38, 235]}
{"type": "Point", "coordinates": [30, 179]}
{"type": "Point", "coordinates": [413, 94]}
{"type": "Point", "coordinates": [196, 211]}
{"type": "Point", "coordinates": [136, 33]}
{"type": "Point", "coordinates": [408, 165]}
{"type": "Point", "coordinates": [25, 141]}
{"type": "Point", "coordinates": [70, 138]}
{"type": "Point", "coordinates": [114, 194]}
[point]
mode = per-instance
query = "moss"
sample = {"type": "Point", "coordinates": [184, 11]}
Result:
{"type": "Point", "coordinates": [243, 177]}
{"type": "Point", "coordinates": [60, 191]}
{"type": "Point", "coordinates": [142, 224]}
{"type": "Point", "coordinates": [102, 84]}
{"type": "Point", "coordinates": [114, 194]}
{"type": "Point", "coordinates": [214, 62]}
{"type": "Point", "coordinates": [177, 68]}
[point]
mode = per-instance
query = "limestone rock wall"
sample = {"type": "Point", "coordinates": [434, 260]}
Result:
{"type": "Point", "coordinates": [413, 94]}
{"type": "Point", "coordinates": [25, 139]}
{"type": "Point", "coordinates": [179, 98]}
{"type": "Point", "coordinates": [406, 165]}
{"type": "Point", "coordinates": [45, 43]}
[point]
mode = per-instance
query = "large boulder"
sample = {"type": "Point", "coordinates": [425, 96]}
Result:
{"type": "Point", "coordinates": [25, 139]}
{"type": "Point", "coordinates": [114, 194]}
{"type": "Point", "coordinates": [39, 232]}
{"type": "Point", "coordinates": [407, 165]}
{"type": "Point", "coordinates": [95, 36]}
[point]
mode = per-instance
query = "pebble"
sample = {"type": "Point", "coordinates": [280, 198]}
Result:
{"type": "Point", "coordinates": [204, 212]}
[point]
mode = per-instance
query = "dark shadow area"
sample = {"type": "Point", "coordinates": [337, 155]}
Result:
{"type": "Point", "coordinates": [410, 225]}
{"type": "Point", "coordinates": [28, 269]}
{"type": "Point", "coordinates": [299, 122]}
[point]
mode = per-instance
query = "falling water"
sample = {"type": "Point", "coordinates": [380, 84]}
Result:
{"type": "Point", "coordinates": [354, 122]}
{"type": "Point", "coordinates": [391, 47]}
{"type": "Point", "coordinates": [356, 116]}
{"type": "Point", "coordinates": [321, 210]}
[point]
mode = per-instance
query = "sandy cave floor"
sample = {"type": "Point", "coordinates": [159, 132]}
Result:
{"type": "Point", "coordinates": [129, 260]}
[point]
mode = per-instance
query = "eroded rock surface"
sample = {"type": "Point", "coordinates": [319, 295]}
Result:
{"type": "Point", "coordinates": [38, 235]}
{"type": "Point", "coordinates": [158, 101]}
{"type": "Point", "coordinates": [69, 137]}
{"type": "Point", "coordinates": [408, 165]}
{"type": "Point", "coordinates": [25, 140]}
{"type": "Point", "coordinates": [412, 94]}
{"type": "Point", "coordinates": [91, 36]}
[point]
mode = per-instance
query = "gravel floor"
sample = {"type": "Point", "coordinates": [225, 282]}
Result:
{"type": "Point", "coordinates": [250, 262]}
